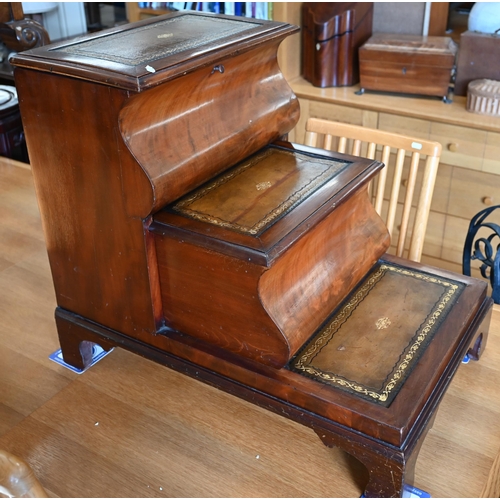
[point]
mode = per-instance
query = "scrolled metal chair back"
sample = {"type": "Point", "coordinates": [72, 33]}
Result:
{"type": "Point", "coordinates": [485, 249]}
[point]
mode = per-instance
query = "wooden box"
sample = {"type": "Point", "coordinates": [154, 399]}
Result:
{"type": "Point", "coordinates": [477, 58]}
{"type": "Point", "coordinates": [483, 97]}
{"type": "Point", "coordinates": [407, 64]}
{"type": "Point", "coordinates": [332, 33]}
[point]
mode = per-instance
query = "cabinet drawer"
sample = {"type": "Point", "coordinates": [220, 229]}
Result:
{"type": "Point", "coordinates": [462, 146]}
{"type": "Point", "coordinates": [333, 112]}
{"type": "Point", "coordinates": [414, 127]}
{"type": "Point", "coordinates": [344, 114]}
{"type": "Point", "coordinates": [471, 192]}
{"type": "Point", "coordinates": [491, 162]}
{"type": "Point", "coordinates": [455, 232]}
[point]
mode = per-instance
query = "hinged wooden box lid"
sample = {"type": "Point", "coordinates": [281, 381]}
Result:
{"type": "Point", "coordinates": [261, 204]}
{"type": "Point", "coordinates": [267, 249]}
{"type": "Point", "coordinates": [192, 93]}
{"type": "Point", "coordinates": [407, 63]}
{"type": "Point", "coordinates": [147, 53]}
{"type": "Point", "coordinates": [437, 51]}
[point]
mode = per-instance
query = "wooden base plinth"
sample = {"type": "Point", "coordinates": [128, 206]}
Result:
{"type": "Point", "coordinates": [385, 439]}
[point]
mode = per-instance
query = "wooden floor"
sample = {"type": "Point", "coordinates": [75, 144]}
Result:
{"type": "Point", "coordinates": [131, 428]}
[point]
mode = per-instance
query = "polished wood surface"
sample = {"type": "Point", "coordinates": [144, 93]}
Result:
{"type": "Point", "coordinates": [166, 132]}
{"type": "Point", "coordinates": [372, 143]}
{"type": "Point", "coordinates": [265, 239]}
{"type": "Point", "coordinates": [117, 281]}
{"type": "Point", "coordinates": [96, 227]}
{"type": "Point", "coordinates": [476, 60]}
{"type": "Point", "coordinates": [407, 64]}
{"type": "Point", "coordinates": [17, 32]}
{"type": "Point", "coordinates": [332, 33]}
{"type": "Point", "coordinates": [438, 18]}
{"type": "Point", "coordinates": [142, 55]}
{"type": "Point", "coordinates": [130, 427]}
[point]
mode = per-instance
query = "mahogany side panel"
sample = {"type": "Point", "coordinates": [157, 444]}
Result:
{"type": "Point", "coordinates": [310, 281]}
{"type": "Point", "coordinates": [183, 138]}
{"type": "Point", "coordinates": [84, 178]}
{"type": "Point", "coordinates": [214, 297]}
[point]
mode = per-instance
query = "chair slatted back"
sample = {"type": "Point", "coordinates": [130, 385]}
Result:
{"type": "Point", "coordinates": [362, 141]}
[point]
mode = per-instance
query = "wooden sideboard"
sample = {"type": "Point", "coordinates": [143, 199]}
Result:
{"type": "Point", "coordinates": [469, 173]}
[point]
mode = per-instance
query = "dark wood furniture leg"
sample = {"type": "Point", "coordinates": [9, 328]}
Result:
{"type": "Point", "coordinates": [387, 468]}
{"type": "Point", "coordinates": [77, 342]}
{"type": "Point", "coordinates": [478, 343]}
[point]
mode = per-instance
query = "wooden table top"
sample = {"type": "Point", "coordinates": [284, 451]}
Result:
{"type": "Point", "coordinates": [129, 427]}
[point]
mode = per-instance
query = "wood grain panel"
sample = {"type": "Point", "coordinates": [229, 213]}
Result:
{"type": "Point", "coordinates": [26, 384]}
{"type": "Point", "coordinates": [438, 18]}
{"type": "Point", "coordinates": [96, 248]}
{"type": "Point", "coordinates": [26, 286]}
{"type": "Point", "coordinates": [68, 469]}
{"type": "Point", "coordinates": [289, 12]}
{"type": "Point", "coordinates": [196, 136]}
{"type": "Point", "coordinates": [472, 473]}
{"type": "Point", "coordinates": [9, 418]}
{"type": "Point", "coordinates": [186, 440]}
{"type": "Point", "coordinates": [18, 210]}
{"type": "Point", "coordinates": [404, 77]}
{"type": "Point", "coordinates": [310, 287]}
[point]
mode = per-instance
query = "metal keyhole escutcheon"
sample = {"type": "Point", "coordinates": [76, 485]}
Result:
{"type": "Point", "coordinates": [219, 68]}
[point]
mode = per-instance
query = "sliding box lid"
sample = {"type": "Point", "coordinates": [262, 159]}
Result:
{"type": "Point", "coordinates": [140, 55]}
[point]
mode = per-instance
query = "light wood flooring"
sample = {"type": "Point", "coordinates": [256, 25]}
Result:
{"type": "Point", "coordinates": [131, 428]}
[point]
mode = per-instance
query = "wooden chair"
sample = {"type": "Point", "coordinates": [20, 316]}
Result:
{"type": "Point", "coordinates": [17, 479]}
{"type": "Point", "coordinates": [17, 32]}
{"type": "Point", "coordinates": [381, 145]}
